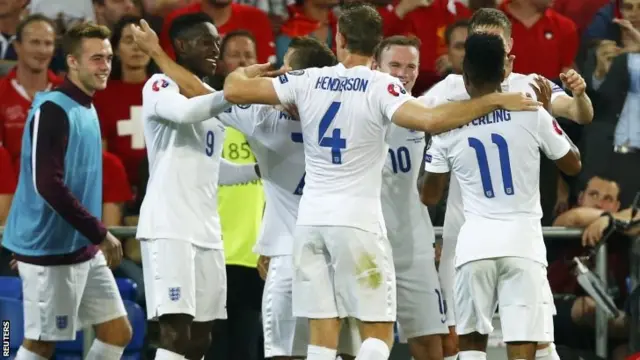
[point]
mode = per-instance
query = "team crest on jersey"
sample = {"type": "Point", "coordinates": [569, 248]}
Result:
{"type": "Point", "coordinates": [427, 158]}
{"type": "Point", "coordinates": [283, 79]}
{"type": "Point", "coordinates": [174, 293]}
{"type": "Point", "coordinates": [62, 321]}
{"type": "Point", "coordinates": [159, 84]}
{"type": "Point", "coordinates": [296, 72]}
{"type": "Point", "coordinates": [228, 110]}
{"type": "Point", "coordinates": [557, 127]}
{"type": "Point", "coordinates": [244, 106]}
{"type": "Point", "coordinates": [396, 90]}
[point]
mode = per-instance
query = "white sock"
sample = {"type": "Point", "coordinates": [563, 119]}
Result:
{"type": "Point", "coordinates": [103, 351]}
{"type": "Point", "coordinates": [320, 353]}
{"type": "Point", "coordinates": [548, 353]}
{"type": "Point", "coordinates": [453, 357]}
{"type": "Point", "coordinates": [164, 354]}
{"type": "Point", "coordinates": [472, 355]}
{"type": "Point", "coordinates": [373, 349]}
{"type": "Point", "coordinates": [24, 354]}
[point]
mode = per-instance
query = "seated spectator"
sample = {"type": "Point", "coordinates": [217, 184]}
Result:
{"type": "Point", "coordinates": [8, 183]}
{"type": "Point", "coordinates": [10, 14]}
{"type": "Point", "coordinates": [228, 16]}
{"type": "Point", "coordinates": [576, 310]}
{"type": "Point", "coordinates": [109, 12]}
{"type": "Point", "coordinates": [307, 18]}
{"type": "Point", "coordinates": [35, 37]}
{"type": "Point", "coordinates": [119, 106]}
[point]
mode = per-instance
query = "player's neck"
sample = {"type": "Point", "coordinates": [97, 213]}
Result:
{"type": "Point", "coordinates": [219, 15]}
{"type": "Point", "coordinates": [32, 81]}
{"type": "Point", "coordinates": [133, 76]}
{"type": "Point", "coordinates": [353, 60]}
{"type": "Point", "coordinates": [479, 92]}
{"type": "Point", "coordinates": [73, 77]}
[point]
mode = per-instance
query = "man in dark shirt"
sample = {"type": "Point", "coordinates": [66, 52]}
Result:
{"type": "Point", "coordinates": [61, 247]}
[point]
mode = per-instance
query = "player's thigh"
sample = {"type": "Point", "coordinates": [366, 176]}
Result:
{"type": "Point", "coordinates": [51, 298]}
{"type": "Point", "coordinates": [210, 285]}
{"type": "Point", "coordinates": [446, 275]}
{"type": "Point", "coordinates": [313, 288]}
{"type": "Point", "coordinates": [523, 298]}
{"type": "Point", "coordinates": [284, 334]}
{"type": "Point", "coordinates": [421, 306]}
{"type": "Point", "coordinates": [168, 266]}
{"type": "Point", "coordinates": [101, 300]}
{"type": "Point", "coordinates": [475, 295]}
{"type": "Point", "coordinates": [365, 280]}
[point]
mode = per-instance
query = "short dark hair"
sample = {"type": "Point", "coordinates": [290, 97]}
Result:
{"type": "Point", "coordinates": [397, 40]}
{"type": "Point", "coordinates": [234, 34]}
{"type": "Point", "coordinates": [489, 17]}
{"type": "Point", "coordinates": [484, 59]}
{"type": "Point", "coordinates": [181, 25]}
{"type": "Point", "coordinates": [361, 26]}
{"type": "Point", "coordinates": [72, 40]}
{"type": "Point", "coordinates": [464, 23]}
{"type": "Point", "coordinates": [310, 53]}
{"type": "Point", "coordinates": [31, 19]}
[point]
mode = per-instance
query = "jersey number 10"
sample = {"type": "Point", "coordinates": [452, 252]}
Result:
{"type": "Point", "coordinates": [400, 160]}
{"type": "Point", "coordinates": [483, 164]}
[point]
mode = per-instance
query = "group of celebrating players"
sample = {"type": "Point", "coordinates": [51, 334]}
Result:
{"type": "Point", "coordinates": [347, 172]}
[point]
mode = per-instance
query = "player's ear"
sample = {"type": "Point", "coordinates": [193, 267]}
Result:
{"type": "Point", "coordinates": [374, 65]}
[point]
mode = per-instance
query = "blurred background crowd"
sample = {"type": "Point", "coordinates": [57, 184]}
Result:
{"type": "Point", "coordinates": [550, 37]}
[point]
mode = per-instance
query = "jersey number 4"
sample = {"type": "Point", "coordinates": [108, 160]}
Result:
{"type": "Point", "coordinates": [334, 142]}
{"type": "Point", "coordinates": [483, 164]}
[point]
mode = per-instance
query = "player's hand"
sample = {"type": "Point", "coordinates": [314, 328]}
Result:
{"type": "Point", "coordinates": [263, 70]}
{"type": "Point", "coordinates": [112, 250]}
{"type": "Point", "coordinates": [543, 91]}
{"type": "Point", "coordinates": [263, 266]}
{"type": "Point", "coordinates": [292, 110]}
{"type": "Point", "coordinates": [593, 233]}
{"type": "Point", "coordinates": [13, 264]}
{"type": "Point", "coordinates": [574, 82]}
{"type": "Point", "coordinates": [146, 39]}
{"type": "Point", "coordinates": [517, 102]}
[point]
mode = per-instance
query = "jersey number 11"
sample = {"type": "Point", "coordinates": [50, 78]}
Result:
{"type": "Point", "coordinates": [483, 164]}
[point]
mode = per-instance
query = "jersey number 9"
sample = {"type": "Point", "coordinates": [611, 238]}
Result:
{"type": "Point", "coordinates": [483, 164]}
{"type": "Point", "coordinates": [209, 141]}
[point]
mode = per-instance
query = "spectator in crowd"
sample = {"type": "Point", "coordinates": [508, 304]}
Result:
{"type": "Point", "coordinates": [612, 144]}
{"type": "Point", "coordinates": [109, 12]}
{"type": "Point", "coordinates": [477, 4]}
{"type": "Point", "coordinates": [581, 12]}
{"type": "Point", "coordinates": [602, 26]}
{"type": "Point", "coordinates": [455, 36]}
{"type": "Point", "coordinates": [119, 106]}
{"type": "Point", "coordinates": [238, 48]}
{"type": "Point", "coordinates": [575, 321]}
{"type": "Point", "coordinates": [68, 10]}
{"type": "Point", "coordinates": [8, 183]}
{"type": "Point", "coordinates": [307, 18]}
{"type": "Point", "coordinates": [10, 14]}
{"type": "Point", "coordinates": [228, 16]}
{"type": "Point", "coordinates": [240, 207]}
{"type": "Point", "coordinates": [34, 44]}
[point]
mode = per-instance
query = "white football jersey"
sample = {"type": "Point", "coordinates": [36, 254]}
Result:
{"type": "Point", "coordinates": [452, 88]}
{"type": "Point", "coordinates": [184, 161]}
{"type": "Point", "coordinates": [496, 159]}
{"type": "Point", "coordinates": [345, 114]}
{"type": "Point", "coordinates": [276, 141]}
{"type": "Point", "coordinates": [406, 218]}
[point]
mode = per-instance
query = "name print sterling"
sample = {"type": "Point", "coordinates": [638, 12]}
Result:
{"type": "Point", "coordinates": [497, 116]}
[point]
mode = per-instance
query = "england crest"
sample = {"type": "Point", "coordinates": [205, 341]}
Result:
{"type": "Point", "coordinates": [174, 293]}
{"type": "Point", "coordinates": [62, 322]}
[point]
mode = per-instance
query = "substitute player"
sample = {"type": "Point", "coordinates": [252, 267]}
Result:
{"type": "Point", "coordinates": [577, 108]}
{"type": "Point", "coordinates": [342, 258]}
{"type": "Point", "coordinates": [500, 254]}
{"type": "Point", "coordinates": [182, 254]}
{"type": "Point", "coordinates": [53, 228]}
{"type": "Point", "coordinates": [421, 308]}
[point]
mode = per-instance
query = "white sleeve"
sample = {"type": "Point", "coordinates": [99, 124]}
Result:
{"type": "Point", "coordinates": [435, 159]}
{"type": "Point", "coordinates": [290, 86]}
{"type": "Point", "coordinates": [388, 94]}
{"type": "Point", "coordinates": [231, 173]}
{"type": "Point", "coordinates": [551, 136]}
{"type": "Point", "coordinates": [556, 91]}
{"type": "Point", "coordinates": [243, 118]}
{"type": "Point", "coordinates": [161, 97]}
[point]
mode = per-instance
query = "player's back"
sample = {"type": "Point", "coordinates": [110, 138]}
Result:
{"type": "Point", "coordinates": [345, 114]}
{"type": "Point", "coordinates": [184, 162]}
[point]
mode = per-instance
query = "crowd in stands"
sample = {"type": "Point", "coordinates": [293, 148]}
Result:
{"type": "Point", "coordinates": [550, 37]}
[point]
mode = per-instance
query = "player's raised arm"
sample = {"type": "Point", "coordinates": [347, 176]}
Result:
{"type": "Point", "coordinates": [557, 145]}
{"type": "Point", "coordinates": [162, 97]}
{"type": "Point", "coordinates": [247, 86]}
{"type": "Point", "coordinates": [231, 174]}
{"type": "Point", "coordinates": [414, 115]}
{"type": "Point", "coordinates": [436, 172]}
